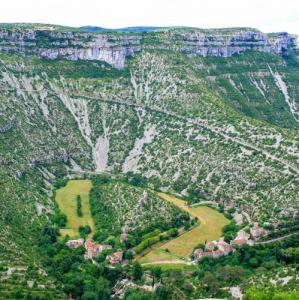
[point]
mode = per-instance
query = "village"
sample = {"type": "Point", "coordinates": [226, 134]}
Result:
{"type": "Point", "coordinates": [94, 250]}
{"type": "Point", "coordinates": [216, 249]}
{"type": "Point", "coordinates": [211, 249]}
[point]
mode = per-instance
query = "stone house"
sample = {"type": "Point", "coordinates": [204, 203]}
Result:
{"type": "Point", "coordinates": [197, 254]}
{"type": "Point", "coordinates": [93, 249]}
{"type": "Point", "coordinates": [224, 247]}
{"type": "Point", "coordinates": [213, 249]}
{"type": "Point", "coordinates": [115, 257]}
{"type": "Point", "coordinates": [75, 243]}
{"type": "Point", "coordinates": [210, 246]}
{"type": "Point", "coordinates": [242, 238]}
{"type": "Point", "coordinates": [257, 231]}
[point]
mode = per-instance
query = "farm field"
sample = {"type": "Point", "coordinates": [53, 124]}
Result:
{"type": "Point", "coordinates": [210, 228]}
{"type": "Point", "coordinates": [66, 200]}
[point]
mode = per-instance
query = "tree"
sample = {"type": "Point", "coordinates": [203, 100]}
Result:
{"type": "Point", "coordinates": [211, 283]}
{"type": "Point", "coordinates": [84, 230]}
{"type": "Point", "coordinates": [51, 233]}
{"type": "Point", "coordinates": [59, 218]}
{"type": "Point", "coordinates": [296, 254]}
{"type": "Point", "coordinates": [128, 255]}
{"type": "Point", "coordinates": [164, 293]}
{"type": "Point", "coordinates": [156, 273]}
{"type": "Point", "coordinates": [90, 295]}
{"type": "Point", "coordinates": [102, 288]}
{"type": "Point", "coordinates": [79, 206]}
{"type": "Point", "coordinates": [132, 294]}
{"type": "Point", "coordinates": [137, 271]}
{"type": "Point", "coordinates": [230, 274]}
{"type": "Point", "coordinates": [253, 262]}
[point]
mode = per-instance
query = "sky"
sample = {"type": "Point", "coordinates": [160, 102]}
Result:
{"type": "Point", "coordinates": [266, 15]}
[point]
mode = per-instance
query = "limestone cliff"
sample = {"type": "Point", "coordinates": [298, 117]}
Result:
{"type": "Point", "coordinates": [113, 48]}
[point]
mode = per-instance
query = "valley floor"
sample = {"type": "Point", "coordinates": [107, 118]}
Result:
{"type": "Point", "coordinates": [66, 200]}
{"type": "Point", "coordinates": [180, 248]}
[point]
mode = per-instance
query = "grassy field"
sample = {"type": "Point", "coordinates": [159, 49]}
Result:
{"type": "Point", "coordinates": [66, 200]}
{"type": "Point", "coordinates": [172, 266]}
{"type": "Point", "coordinates": [210, 228]}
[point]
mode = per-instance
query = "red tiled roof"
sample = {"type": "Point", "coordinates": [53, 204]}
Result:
{"type": "Point", "coordinates": [240, 241]}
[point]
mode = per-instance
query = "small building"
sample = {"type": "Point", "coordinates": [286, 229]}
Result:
{"type": "Point", "coordinates": [208, 254]}
{"type": "Point", "coordinates": [210, 246]}
{"type": "Point", "coordinates": [258, 232]}
{"type": "Point", "coordinates": [242, 238]}
{"type": "Point", "coordinates": [75, 243]}
{"type": "Point", "coordinates": [115, 257]}
{"type": "Point", "coordinates": [197, 254]}
{"type": "Point", "coordinates": [93, 249]}
{"type": "Point", "coordinates": [213, 249]}
{"type": "Point", "coordinates": [217, 253]}
{"type": "Point", "coordinates": [224, 247]}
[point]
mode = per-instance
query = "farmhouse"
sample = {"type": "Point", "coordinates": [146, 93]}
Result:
{"type": "Point", "coordinates": [198, 254]}
{"type": "Point", "coordinates": [213, 249]}
{"type": "Point", "coordinates": [75, 243]}
{"type": "Point", "coordinates": [115, 257]}
{"type": "Point", "coordinates": [224, 247]}
{"type": "Point", "coordinates": [242, 238]}
{"type": "Point", "coordinates": [209, 246]}
{"type": "Point", "coordinates": [93, 249]}
{"type": "Point", "coordinates": [257, 231]}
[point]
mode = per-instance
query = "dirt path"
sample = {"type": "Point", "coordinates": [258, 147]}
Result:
{"type": "Point", "coordinates": [276, 239]}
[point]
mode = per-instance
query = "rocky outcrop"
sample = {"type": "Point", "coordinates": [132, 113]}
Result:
{"type": "Point", "coordinates": [114, 48]}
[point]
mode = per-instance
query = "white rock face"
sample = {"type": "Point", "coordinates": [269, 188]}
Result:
{"type": "Point", "coordinates": [101, 150]}
{"type": "Point", "coordinates": [284, 89]}
{"type": "Point", "coordinates": [114, 49]}
{"type": "Point", "coordinates": [79, 109]}
{"type": "Point", "coordinates": [131, 162]}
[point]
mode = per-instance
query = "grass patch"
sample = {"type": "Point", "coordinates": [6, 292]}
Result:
{"type": "Point", "coordinates": [210, 228]}
{"type": "Point", "coordinates": [158, 255]}
{"type": "Point", "coordinates": [66, 198]}
{"type": "Point", "coordinates": [173, 266]}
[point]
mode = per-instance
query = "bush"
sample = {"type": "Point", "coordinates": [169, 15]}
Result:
{"type": "Point", "coordinates": [60, 219]}
{"type": "Point", "coordinates": [84, 230]}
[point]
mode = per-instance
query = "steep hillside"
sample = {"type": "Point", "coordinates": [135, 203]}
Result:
{"type": "Point", "coordinates": [222, 129]}
{"type": "Point", "coordinates": [121, 208]}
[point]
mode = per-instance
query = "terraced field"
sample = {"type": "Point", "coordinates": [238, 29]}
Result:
{"type": "Point", "coordinates": [211, 224]}
{"type": "Point", "coordinates": [66, 200]}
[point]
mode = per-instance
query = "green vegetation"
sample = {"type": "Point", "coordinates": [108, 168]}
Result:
{"type": "Point", "coordinates": [256, 294]}
{"type": "Point", "coordinates": [155, 237]}
{"type": "Point", "coordinates": [218, 131]}
{"type": "Point", "coordinates": [118, 207]}
{"type": "Point", "coordinates": [73, 273]}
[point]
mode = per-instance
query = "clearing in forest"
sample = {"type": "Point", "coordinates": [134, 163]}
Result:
{"type": "Point", "coordinates": [66, 198]}
{"type": "Point", "coordinates": [210, 228]}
